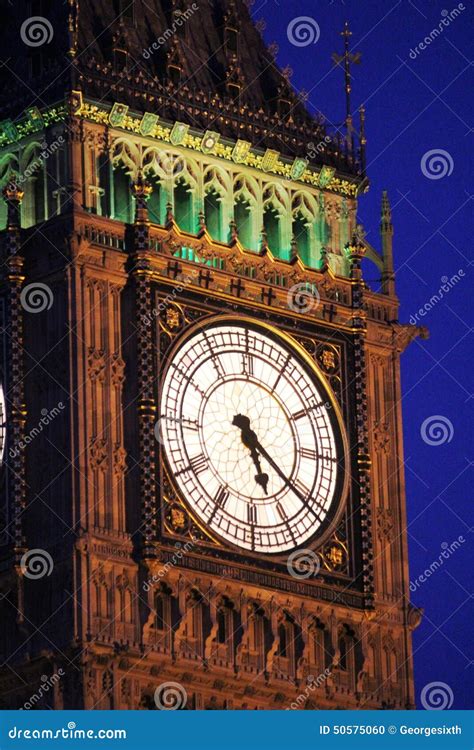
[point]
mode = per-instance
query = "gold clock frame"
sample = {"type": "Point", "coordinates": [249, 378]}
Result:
{"type": "Point", "coordinates": [318, 540]}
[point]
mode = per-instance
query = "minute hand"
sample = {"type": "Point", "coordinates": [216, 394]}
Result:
{"type": "Point", "coordinates": [282, 476]}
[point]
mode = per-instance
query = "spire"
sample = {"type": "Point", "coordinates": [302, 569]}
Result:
{"type": "Point", "coordinates": [362, 138]}
{"type": "Point", "coordinates": [141, 190]}
{"type": "Point", "coordinates": [348, 58]}
{"type": "Point", "coordinates": [386, 233]}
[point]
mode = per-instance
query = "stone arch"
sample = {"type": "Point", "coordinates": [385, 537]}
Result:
{"type": "Point", "coordinates": [350, 657]}
{"type": "Point", "coordinates": [34, 183]}
{"type": "Point", "coordinates": [217, 197]}
{"type": "Point", "coordinates": [304, 214]}
{"type": "Point", "coordinates": [389, 660]}
{"type": "Point", "coordinates": [246, 210]}
{"type": "Point", "coordinates": [289, 645]}
{"type": "Point", "coordinates": [320, 647]}
{"type": "Point", "coordinates": [184, 183]}
{"type": "Point", "coordinates": [275, 222]}
{"type": "Point", "coordinates": [125, 161]}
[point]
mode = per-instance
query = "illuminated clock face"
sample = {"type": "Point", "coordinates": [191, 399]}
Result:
{"type": "Point", "coordinates": [2, 424]}
{"type": "Point", "coordinates": [251, 437]}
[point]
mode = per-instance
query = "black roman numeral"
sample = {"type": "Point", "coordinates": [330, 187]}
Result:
{"type": "Point", "coordinates": [220, 498]}
{"type": "Point", "coordinates": [247, 364]}
{"type": "Point", "coordinates": [199, 463]}
{"type": "Point", "coordinates": [252, 514]}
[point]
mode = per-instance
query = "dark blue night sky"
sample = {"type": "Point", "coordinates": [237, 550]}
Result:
{"type": "Point", "coordinates": [416, 103]}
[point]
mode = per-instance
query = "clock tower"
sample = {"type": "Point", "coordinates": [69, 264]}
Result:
{"type": "Point", "coordinates": [202, 488]}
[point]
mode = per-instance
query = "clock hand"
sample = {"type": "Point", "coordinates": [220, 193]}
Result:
{"type": "Point", "coordinates": [249, 439]}
{"type": "Point", "coordinates": [280, 473]}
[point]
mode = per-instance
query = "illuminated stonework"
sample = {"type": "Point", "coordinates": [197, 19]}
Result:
{"type": "Point", "coordinates": [229, 373]}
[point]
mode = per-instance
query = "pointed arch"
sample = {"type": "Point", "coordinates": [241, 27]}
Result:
{"type": "Point", "coordinates": [184, 185]}
{"type": "Point", "coordinates": [321, 650]}
{"type": "Point", "coordinates": [217, 191]}
{"type": "Point", "coordinates": [304, 212]}
{"type": "Point", "coordinates": [245, 210]}
{"type": "Point", "coordinates": [275, 209]}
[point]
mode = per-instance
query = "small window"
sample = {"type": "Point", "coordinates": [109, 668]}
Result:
{"type": "Point", "coordinates": [283, 647]}
{"type": "Point", "coordinates": [221, 626]}
{"type": "Point", "coordinates": [125, 9]}
{"type": "Point", "coordinates": [284, 108]}
{"type": "Point", "coordinates": [232, 40]}
{"type": "Point", "coordinates": [120, 60]}
{"type": "Point", "coordinates": [342, 653]}
{"type": "Point", "coordinates": [174, 74]}
{"type": "Point", "coordinates": [160, 622]}
{"type": "Point", "coordinates": [234, 91]}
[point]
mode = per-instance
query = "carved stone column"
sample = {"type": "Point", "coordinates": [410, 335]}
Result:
{"type": "Point", "coordinates": [145, 367]}
{"type": "Point", "coordinates": [14, 368]}
{"type": "Point", "coordinates": [355, 251]}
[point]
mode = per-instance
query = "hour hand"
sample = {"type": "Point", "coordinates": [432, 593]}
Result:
{"type": "Point", "coordinates": [250, 440]}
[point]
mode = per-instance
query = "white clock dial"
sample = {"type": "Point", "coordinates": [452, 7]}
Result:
{"type": "Point", "coordinates": [251, 436]}
{"type": "Point", "coordinates": [2, 424]}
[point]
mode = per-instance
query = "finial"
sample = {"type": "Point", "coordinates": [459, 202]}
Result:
{"type": "Point", "coordinates": [355, 251]}
{"type": "Point", "coordinates": [324, 260]}
{"type": "Point", "coordinates": [202, 222]}
{"type": "Point", "coordinates": [386, 233]}
{"type": "Point", "coordinates": [12, 192]}
{"type": "Point", "coordinates": [362, 138]}
{"type": "Point", "coordinates": [233, 233]}
{"type": "Point", "coordinates": [386, 212]}
{"type": "Point", "coordinates": [141, 190]}
{"type": "Point", "coordinates": [263, 240]}
{"type": "Point", "coordinates": [169, 215]}
{"type": "Point", "coordinates": [13, 195]}
{"type": "Point", "coordinates": [348, 58]}
{"type": "Point", "coordinates": [293, 248]}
